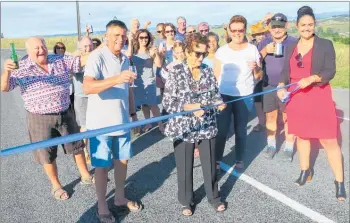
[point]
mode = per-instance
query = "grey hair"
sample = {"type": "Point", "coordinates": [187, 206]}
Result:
{"type": "Point", "coordinates": [27, 44]}
{"type": "Point", "coordinates": [180, 17]}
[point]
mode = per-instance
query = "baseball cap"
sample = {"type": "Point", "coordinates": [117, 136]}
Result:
{"type": "Point", "coordinates": [279, 19]}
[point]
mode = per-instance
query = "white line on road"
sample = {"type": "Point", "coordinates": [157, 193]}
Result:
{"type": "Point", "coordinates": [344, 118]}
{"type": "Point", "coordinates": [277, 195]}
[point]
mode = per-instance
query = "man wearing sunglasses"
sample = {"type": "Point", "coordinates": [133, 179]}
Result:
{"type": "Point", "coordinates": [203, 28]}
{"type": "Point", "coordinates": [272, 66]}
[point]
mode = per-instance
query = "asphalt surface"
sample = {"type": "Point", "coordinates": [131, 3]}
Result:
{"type": "Point", "coordinates": [25, 190]}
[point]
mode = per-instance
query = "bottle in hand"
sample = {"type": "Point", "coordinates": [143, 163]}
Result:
{"type": "Point", "coordinates": [14, 56]}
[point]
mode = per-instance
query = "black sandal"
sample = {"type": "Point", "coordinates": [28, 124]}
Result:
{"type": "Point", "coordinates": [217, 205]}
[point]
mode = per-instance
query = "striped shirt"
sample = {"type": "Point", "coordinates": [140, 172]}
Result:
{"type": "Point", "coordinates": [45, 92]}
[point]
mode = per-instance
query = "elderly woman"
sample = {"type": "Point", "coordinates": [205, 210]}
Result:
{"type": "Point", "coordinates": [192, 85]}
{"type": "Point", "coordinates": [311, 111]}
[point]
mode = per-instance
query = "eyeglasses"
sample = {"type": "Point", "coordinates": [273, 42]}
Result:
{"type": "Point", "coordinates": [299, 58]}
{"type": "Point", "coordinates": [199, 54]}
{"type": "Point", "coordinates": [60, 48]}
{"type": "Point", "coordinates": [278, 18]}
{"type": "Point", "coordinates": [169, 31]}
{"type": "Point", "coordinates": [143, 37]}
{"type": "Point", "coordinates": [193, 31]}
{"type": "Point", "coordinates": [204, 30]}
{"type": "Point", "coordinates": [237, 30]}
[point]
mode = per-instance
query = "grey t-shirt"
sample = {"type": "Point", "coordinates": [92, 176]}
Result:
{"type": "Point", "coordinates": [78, 84]}
{"type": "Point", "coordinates": [110, 107]}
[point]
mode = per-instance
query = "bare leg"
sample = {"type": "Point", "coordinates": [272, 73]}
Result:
{"type": "Point", "coordinates": [101, 175]}
{"type": "Point", "coordinates": [147, 113]}
{"type": "Point", "coordinates": [156, 113]}
{"type": "Point", "coordinates": [52, 173]}
{"type": "Point", "coordinates": [304, 150]}
{"type": "Point", "coordinates": [334, 156]}
{"type": "Point", "coordinates": [79, 159]}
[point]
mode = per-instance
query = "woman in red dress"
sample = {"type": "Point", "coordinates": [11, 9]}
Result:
{"type": "Point", "coordinates": [311, 111]}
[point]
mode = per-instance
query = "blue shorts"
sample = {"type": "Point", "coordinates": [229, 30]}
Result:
{"type": "Point", "coordinates": [103, 147]}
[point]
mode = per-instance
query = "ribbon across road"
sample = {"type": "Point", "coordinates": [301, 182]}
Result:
{"type": "Point", "coordinates": [92, 133]}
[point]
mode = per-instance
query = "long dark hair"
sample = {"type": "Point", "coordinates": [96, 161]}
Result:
{"type": "Point", "coordinates": [56, 45]}
{"type": "Point", "coordinates": [136, 46]}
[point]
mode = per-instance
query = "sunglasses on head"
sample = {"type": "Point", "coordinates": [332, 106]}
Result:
{"type": "Point", "coordinates": [143, 37]}
{"type": "Point", "coordinates": [278, 18]}
{"type": "Point", "coordinates": [299, 58]}
{"type": "Point", "coordinates": [237, 30]}
{"type": "Point", "coordinates": [169, 31]}
{"type": "Point", "coordinates": [199, 54]}
{"type": "Point", "coordinates": [204, 30]}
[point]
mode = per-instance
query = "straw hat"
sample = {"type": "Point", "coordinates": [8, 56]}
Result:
{"type": "Point", "coordinates": [258, 28]}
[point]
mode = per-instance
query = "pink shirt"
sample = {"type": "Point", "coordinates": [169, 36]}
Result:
{"type": "Point", "coordinates": [42, 92]}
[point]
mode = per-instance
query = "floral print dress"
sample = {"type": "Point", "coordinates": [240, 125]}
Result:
{"type": "Point", "coordinates": [181, 89]}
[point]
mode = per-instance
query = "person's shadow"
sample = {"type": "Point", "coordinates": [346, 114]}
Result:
{"type": "Point", "coordinates": [141, 183]}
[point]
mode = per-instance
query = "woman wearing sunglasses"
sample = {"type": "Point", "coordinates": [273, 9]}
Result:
{"type": "Point", "coordinates": [311, 111]}
{"type": "Point", "coordinates": [192, 85]}
{"type": "Point", "coordinates": [236, 64]}
{"type": "Point", "coordinates": [145, 91]}
{"type": "Point", "coordinates": [60, 49]}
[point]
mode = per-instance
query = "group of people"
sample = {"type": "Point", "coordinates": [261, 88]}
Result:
{"type": "Point", "coordinates": [193, 73]}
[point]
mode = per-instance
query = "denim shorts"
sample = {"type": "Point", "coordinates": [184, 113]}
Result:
{"type": "Point", "coordinates": [103, 147]}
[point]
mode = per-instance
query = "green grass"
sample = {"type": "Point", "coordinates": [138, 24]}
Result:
{"type": "Point", "coordinates": [341, 79]}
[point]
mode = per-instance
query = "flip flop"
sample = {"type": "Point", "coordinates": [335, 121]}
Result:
{"type": "Point", "coordinates": [58, 195]}
{"type": "Point", "coordinates": [130, 206]}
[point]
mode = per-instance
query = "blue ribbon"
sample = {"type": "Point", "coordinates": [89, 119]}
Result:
{"type": "Point", "coordinates": [92, 133]}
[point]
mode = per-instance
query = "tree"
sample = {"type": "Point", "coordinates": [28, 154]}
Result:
{"type": "Point", "coordinates": [320, 30]}
{"type": "Point", "coordinates": [330, 31]}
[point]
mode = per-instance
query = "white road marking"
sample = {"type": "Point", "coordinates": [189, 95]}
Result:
{"type": "Point", "coordinates": [344, 118]}
{"type": "Point", "coordinates": [277, 195]}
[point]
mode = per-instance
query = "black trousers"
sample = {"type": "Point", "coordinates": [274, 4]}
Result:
{"type": "Point", "coordinates": [240, 112]}
{"type": "Point", "coordinates": [184, 163]}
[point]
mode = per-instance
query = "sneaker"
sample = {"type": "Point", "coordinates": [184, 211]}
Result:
{"type": "Point", "coordinates": [270, 152]}
{"type": "Point", "coordinates": [286, 155]}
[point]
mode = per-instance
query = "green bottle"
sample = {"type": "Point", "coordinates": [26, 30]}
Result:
{"type": "Point", "coordinates": [14, 55]}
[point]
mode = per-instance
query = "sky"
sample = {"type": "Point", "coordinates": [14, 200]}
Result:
{"type": "Point", "coordinates": [24, 19]}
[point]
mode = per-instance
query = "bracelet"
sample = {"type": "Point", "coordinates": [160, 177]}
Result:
{"type": "Point", "coordinates": [132, 114]}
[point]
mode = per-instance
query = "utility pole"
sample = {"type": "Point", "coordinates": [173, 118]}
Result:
{"type": "Point", "coordinates": [78, 20]}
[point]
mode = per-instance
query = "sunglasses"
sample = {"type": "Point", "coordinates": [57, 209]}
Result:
{"type": "Point", "coordinates": [204, 30]}
{"type": "Point", "coordinates": [169, 31]}
{"type": "Point", "coordinates": [278, 18]}
{"type": "Point", "coordinates": [143, 37]}
{"type": "Point", "coordinates": [299, 58]}
{"type": "Point", "coordinates": [60, 48]}
{"type": "Point", "coordinates": [199, 54]}
{"type": "Point", "coordinates": [192, 31]}
{"type": "Point", "coordinates": [159, 31]}
{"type": "Point", "coordinates": [237, 30]}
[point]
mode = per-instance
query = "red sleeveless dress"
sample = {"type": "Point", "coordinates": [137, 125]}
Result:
{"type": "Point", "coordinates": [311, 111]}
